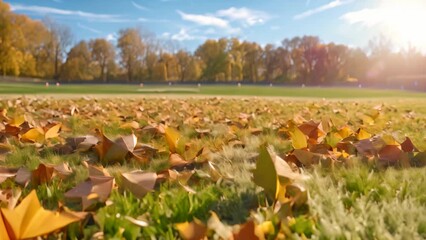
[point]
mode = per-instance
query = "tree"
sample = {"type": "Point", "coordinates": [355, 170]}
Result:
{"type": "Point", "coordinates": [5, 40]}
{"type": "Point", "coordinates": [60, 38]}
{"type": "Point", "coordinates": [184, 60]}
{"type": "Point", "coordinates": [337, 56]}
{"type": "Point", "coordinates": [131, 51]}
{"type": "Point", "coordinates": [252, 58]}
{"type": "Point", "coordinates": [214, 56]}
{"type": "Point", "coordinates": [102, 53]}
{"type": "Point", "coordinates": [77, 66]}
{"type": "Point", "coordinates": [270, 62]}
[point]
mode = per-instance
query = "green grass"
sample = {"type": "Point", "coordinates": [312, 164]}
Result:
{"type": "Point", "coordinates": [225, 90]}
{"type": "Point", "coordinates": [358, 203]}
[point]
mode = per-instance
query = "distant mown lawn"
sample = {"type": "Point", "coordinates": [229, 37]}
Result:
{"type": "Point", "coordinates": [224, 90]}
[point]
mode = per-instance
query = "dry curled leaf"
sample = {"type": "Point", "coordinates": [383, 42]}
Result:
{"type": "Point", "coordinates": [139, 182]}
{"type": "Point", "coordinates": [116, 151]}
{"type": "Point", "coordinates": [93, 190]}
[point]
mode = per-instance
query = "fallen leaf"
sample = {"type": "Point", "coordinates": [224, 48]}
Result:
{"type": "Point", "coordinates": [249, 230]}
{"type": "Point", "coordinates": [28, 219]}
{"type": "Point", "coordinates": [194, 230]}
{"type": "Point", "coordinates": [94, 189]}
{"type": "Point", "coordinates": [115, 151]}
{"type": "Point", "coordinates": [173, 139]}
{"type": "Point", "coordinates": [265, 174]}
{"type": "Point", "coordinates": [390, 154]}
{"type": "Point", "coordinates": [139, 182]}
{"type": "Point", "coordinates": [408, 146]}
{"type": "Point", "coordinates": [298, 139]}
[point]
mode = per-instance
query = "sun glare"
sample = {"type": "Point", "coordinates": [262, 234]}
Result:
{"type": "Point", "coordinates": [405, 22]}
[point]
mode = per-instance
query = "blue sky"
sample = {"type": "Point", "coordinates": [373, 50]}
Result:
{"type": "Point", "coordinates": [190, 22]}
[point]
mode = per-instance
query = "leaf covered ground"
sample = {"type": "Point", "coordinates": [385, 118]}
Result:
{"type": "Point", "coordinates": [217, 168]}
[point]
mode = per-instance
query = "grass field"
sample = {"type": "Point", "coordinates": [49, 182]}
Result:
{"type": "Point", "coordinates": [354, 196]}
{"type": "Point", "coordinates": [225, 90]}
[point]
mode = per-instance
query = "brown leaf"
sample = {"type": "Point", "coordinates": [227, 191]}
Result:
{"type": "Point", "coordinates": [176, 160]}
{"type": "Point", "coordinates": [249, 231]}
{"type": "Point", "coordinates": [42, 174]}
{"type": "Point", "coordinates": [117, 151]}
{"type": "Point", "coordinates": [390, 154]}
{"type": "Point", "coordinates": [45, 172]}
{"type": "Point", "coordinates": [312, 130]}
{"type": "Point", "coordinates": [305, 157]}
{"type": "Point", "coordinates": [408, 146]}
{"type": "Point", "coordinates": [96, 170]}
{"type": "Point", "coordinates": [139, 182]}
{"type": "Point", "coordinates": [94, 189]}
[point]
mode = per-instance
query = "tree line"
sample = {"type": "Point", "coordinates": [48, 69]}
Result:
{"type": "Point", "coordinates": [45, 49]}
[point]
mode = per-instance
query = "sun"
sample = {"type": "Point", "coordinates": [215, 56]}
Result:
{"type": "Point", "coordinates": [404, 21]}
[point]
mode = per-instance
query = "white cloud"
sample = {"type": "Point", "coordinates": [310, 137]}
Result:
{"type": "Point", "coordinates": [56, 11]}
{"type": "Point", "coordinates": [204, 20]}
{"type": "Point", "coordinates": [184, 35]}
{"type": "Point", "coordinates": [153, 20]}
{"type": "Point", "coordinates": [328, 6]}
{"type": "Point", "coordinates": [247, 16]}
{"type": "Point", "coordinates": [165, 35]}
{"type": "Point", "coordinates": [112, 37]}
{"type": "Point", "coordinates": [367, 17]}
{"type": "Point", "coordinates": [140, 7]}
{"type": "Point", "coordinates": [88, 28]}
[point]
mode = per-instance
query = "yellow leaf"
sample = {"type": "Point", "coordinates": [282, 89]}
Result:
{"type": "Point", "coordinates": [267, 227]}
{"type": "Point", "coordinates": [53, 131]}
{"type": "Point", "coordinates": [194, 230]}
{"type": "Point", "coordinates": [35, 135]}
{"type": "Point", "coordinates": [17, 120]}
{"type": "Point", "coordinates": [130, 125]}
{"type": "Point", "coordinates": [345, 132]}
{"type": "Point", "coordinates": [3, 230]}
{"type": "Point", "coordinates": [298, 139]}
{"type": "Point", "coordinates": [367, 120]}
{"type": "Point", "coordinates": [389, 140]}
{"type": "Point", "coordinates": [30, 220]}
{"type": "Point", "coordinates": [172, 138]}
{"type": "Point", "coordinates": [362, 134]}
{"type": "Point", "coordinates": [265, 174]}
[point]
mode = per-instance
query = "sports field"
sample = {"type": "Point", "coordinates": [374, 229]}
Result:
{"type": "Point", "coordinates": [222, 90]}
